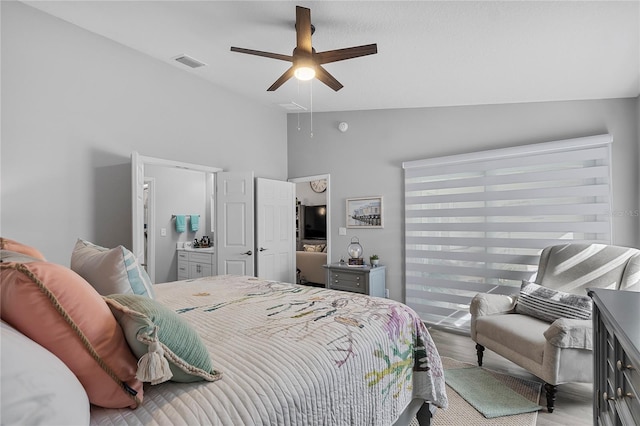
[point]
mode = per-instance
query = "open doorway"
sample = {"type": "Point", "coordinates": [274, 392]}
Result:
{"type": "Point", "coordinates": [313, 228]}
{"type": "Point", "coordinates": [156, 244]}
{"type": "Point", "coordinates": [149, 225]}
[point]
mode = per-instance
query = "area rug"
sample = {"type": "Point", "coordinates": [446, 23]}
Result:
{"type": "Point", "coordinates": [461, 412]}
{"type": "Point", "coordinates": [487, 394]}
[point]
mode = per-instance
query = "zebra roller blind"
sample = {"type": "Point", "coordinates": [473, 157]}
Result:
{"type": "Point", "coordinates": [477, 222]}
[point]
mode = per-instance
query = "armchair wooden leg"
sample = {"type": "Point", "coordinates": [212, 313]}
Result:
{"type": "Point", "coordinates": [480, 352]}
{"type": "Point", "coordinates": [551, 391]}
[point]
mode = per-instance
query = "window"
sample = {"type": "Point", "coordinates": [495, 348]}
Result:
{"type": "Point", "coordinates": [477, 222]}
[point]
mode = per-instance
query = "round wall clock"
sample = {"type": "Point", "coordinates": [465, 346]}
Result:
{"type": "Point", "coordinates": [319, 185]}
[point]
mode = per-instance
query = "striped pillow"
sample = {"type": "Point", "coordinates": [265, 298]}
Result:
{"type": "Point", "coordinates": [110, 271]}
{"type": "Point", "coordinates": [548, 304]}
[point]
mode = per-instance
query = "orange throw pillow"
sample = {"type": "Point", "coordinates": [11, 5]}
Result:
{"type": "Point", "coordinates": [11, 245]}
{"type": "Point", "coordinates": [46, 301]}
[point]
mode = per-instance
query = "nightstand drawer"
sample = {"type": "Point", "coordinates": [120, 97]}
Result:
{"type": "Point", "coordinates": [348, 282]}
{"type": "Point", "coordinates": [347, 277]}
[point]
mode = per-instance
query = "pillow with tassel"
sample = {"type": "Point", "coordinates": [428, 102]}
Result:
{"type": "Point", "coordinates": [167, 347]}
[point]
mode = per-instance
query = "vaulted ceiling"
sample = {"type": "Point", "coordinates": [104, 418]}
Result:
{"type": "Point", "coordinates": [430, 53]}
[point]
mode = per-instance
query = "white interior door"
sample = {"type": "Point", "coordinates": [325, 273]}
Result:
{"type": "Point", "coordinates": [137, 206]}
{"type": "Point", "coordinates": [275, 230]}
{"type": "Point", "coordinates": [235, 223]}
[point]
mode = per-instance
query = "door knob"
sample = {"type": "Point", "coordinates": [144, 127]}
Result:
{"type": "Point", "coordinates": [263, 249]}
{"type": "Point", "coordinates": [248, 253]}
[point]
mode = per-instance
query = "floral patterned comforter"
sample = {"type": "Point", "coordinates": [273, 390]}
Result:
{"type": "Point", "coordinates": [294, 355]}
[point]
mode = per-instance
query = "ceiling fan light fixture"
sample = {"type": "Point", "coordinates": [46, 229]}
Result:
{"type": "Point", "coordinates": [304, 73]}
{"type": "Point", "coordinates": [307, 63]}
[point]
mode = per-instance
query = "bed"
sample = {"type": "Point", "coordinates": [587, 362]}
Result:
{"type": "Point", "coordinates": [288, 354]}
{"type": "Point", "coordinates": [293, 355]}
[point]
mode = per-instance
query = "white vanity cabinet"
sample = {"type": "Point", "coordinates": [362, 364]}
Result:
{"type": "Point", "coordinates": [196, 263]}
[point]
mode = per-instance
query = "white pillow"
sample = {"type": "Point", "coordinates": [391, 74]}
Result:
{"type": "Point", "coordinates": [110, 271]}
{"type": "Point", "coordinates": [38, 388]}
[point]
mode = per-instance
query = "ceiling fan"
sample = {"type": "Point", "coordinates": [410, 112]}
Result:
{"type": "Point", "coordinates": [307, 63]}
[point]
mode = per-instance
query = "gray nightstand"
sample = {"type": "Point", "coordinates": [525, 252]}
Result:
{"type": "Point", "coordinates": [359, 279]}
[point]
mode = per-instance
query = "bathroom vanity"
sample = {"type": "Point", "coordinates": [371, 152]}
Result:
{"type": "Point", "coordinates": [196, 262]}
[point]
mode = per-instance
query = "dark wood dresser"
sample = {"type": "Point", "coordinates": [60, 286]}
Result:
{"type": "Point", "coordinates": [616, 331]}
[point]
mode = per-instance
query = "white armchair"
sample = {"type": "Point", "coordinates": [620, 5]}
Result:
{"type": "Point", "coordinates": [558, 351]}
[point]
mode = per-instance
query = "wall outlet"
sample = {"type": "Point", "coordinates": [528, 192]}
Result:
{"type": "Point", "coordinates": [386, 293]}
{"type": "Point", "coordinates": [342, 231]}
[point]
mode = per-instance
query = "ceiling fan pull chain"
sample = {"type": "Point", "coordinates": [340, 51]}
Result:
{"type": "Point", "coordinates": [311, 104]}
{"type": "Point", "coordinates": [298, 108]}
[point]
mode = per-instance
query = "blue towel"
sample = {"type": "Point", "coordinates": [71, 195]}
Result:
{"type": "Point", "coordinates": [181, 223]}
{"type": "Point", "coordinates": [195, 222]}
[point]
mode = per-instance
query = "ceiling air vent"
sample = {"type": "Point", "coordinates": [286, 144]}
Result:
{"type": "Point", "coordinates": [292, 106]}
{"type": "Point", "coordinates": [189, 61]}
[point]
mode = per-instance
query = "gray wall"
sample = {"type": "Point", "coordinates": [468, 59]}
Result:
{"type": "Point", "coordinates": [367, 159]}
{"type": "Point", "coordinates": [74, 107]}
{"type": "Point", "coordinates": [308, 197]}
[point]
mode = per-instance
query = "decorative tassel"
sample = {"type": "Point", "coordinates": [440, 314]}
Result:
{"type": "Point", "coordinates": [153, 366]}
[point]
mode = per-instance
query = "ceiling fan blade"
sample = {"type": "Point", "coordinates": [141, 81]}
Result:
{"type": "Point", "coordinates": [346, 53]}
{"type": "Point", "coordinates": [303, 29]}
{"type": "Point", "coordinates": [280, 81]}
{"type": "Point", "coordinates": [324, 76]}
{"type": "Point", "coordinates": [261, 53]}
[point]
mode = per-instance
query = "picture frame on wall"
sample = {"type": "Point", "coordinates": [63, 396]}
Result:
{"type": "Point", "coordinates": [365, 212]}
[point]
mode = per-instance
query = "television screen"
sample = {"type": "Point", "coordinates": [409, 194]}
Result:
{"type": "Point", "coordinates": [315, 222]}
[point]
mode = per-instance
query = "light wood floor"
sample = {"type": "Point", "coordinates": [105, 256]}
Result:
{"type": "Point", "coordinates": [573, 401]}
